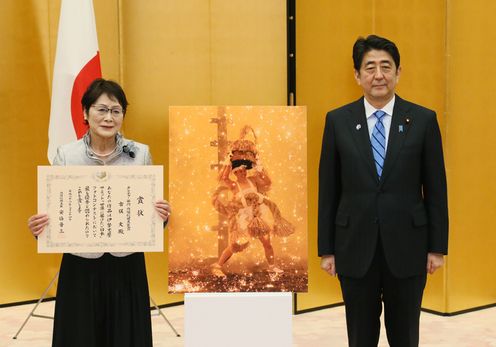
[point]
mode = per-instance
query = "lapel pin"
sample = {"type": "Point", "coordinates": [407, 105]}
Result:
{"type": "Point", "coordinates": [407, 120]}
{"type": "Point", "coordinates": [358, 127]}
{"type": "Point", "coordinates": [400, 128]}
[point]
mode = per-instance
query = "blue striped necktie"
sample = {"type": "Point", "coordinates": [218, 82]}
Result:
{"type": "Point", "coordinates": [378, 140]}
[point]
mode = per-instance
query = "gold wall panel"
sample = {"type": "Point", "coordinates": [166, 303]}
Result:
{"type": "Point", "coordinates": [25, 100]}
{"type": "Point", "coordinates": [190, 52]}
{"type": "Point", "coordinates": [419, 30]}
{"type": "Point", "coordinates": [471, 154]}
{"type": "Point", "coordinates": [165, 54]}
{"type": "Point", "coordinates": [325, 33]}
{"type": "Point", "coordinates": [28, 37]}
{"type": "Point", "coordinates": [197, 52]}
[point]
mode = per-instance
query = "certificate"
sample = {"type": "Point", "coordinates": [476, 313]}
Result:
{"type": "Point", "coordinates": [100, 208]}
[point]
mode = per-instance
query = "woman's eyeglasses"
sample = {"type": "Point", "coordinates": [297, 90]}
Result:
{"type": "Point", "coordinates": [102, 110]}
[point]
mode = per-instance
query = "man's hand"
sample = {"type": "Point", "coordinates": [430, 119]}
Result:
{"type": "Point", "coordinates": [327, 264]}
{"type": "Point", "coordinates": [434, 261]}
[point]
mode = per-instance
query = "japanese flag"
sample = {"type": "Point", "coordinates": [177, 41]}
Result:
{"type": "Point", "coordinates": [77, 64]}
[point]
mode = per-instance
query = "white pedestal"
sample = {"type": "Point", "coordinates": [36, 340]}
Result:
{"type": "Point", "coordinates": [237, 319]}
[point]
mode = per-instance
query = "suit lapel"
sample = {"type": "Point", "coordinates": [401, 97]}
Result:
{"type": "Point", "coordinates": [357, 124]}
{"type": "Point", "coordinates": [397, 135]}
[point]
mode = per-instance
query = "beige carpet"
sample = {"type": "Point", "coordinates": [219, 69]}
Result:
{"type": "Point", "coordinates": [315, 329]}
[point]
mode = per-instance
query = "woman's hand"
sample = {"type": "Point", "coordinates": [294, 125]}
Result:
{"type": "Point", "coordinates": [37, 223]}
{"type": "Point", "coordinates": [163, 208]}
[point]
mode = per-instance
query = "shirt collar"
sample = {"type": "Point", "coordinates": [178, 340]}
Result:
{"type": "Point", "coordinates": [388, 108]}
{"type": "Point", "coordinates": [119, 142]}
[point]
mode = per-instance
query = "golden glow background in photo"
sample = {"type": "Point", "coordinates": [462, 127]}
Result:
{"type": "Point", "coordinates": [193, 239]}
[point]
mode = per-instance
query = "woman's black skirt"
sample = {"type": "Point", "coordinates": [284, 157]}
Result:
{"type": "Point", "coordinates": [102, 302]}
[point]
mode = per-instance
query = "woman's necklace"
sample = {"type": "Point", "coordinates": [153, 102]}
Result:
{"type": "Point", "coordinates": [103, 155]}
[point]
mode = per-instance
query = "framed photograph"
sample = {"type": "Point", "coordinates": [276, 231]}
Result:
{"type": "Point", "coordinates": [238, 187]}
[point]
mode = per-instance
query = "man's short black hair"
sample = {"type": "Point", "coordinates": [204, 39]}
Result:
{"type": "Point", "coordinates": [363, 46]}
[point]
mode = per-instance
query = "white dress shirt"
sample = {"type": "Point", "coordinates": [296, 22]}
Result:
{"type": "Point", "coordinates": [386, 119]}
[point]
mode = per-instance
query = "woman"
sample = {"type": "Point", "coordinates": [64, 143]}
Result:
{"type": "Point", "coordinates": [250, 213]}
{"type": "Point", "coordinates": [102, 298]}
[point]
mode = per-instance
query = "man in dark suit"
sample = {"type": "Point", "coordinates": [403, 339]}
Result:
{"type": "Point", "coordinates": [383, 215]}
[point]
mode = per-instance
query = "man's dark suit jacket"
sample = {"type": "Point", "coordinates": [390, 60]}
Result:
{"type": "Point", "coordinates": [407, 206]}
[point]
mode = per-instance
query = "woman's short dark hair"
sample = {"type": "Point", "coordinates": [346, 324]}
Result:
{"type": "Point", "coordinates": [102, 86]}
{"type": "Point", "coordinates": [363, 46]}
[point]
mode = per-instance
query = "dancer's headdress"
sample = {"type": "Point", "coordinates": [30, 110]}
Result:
{"type": "Point", "coordinates": [244, 151]}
